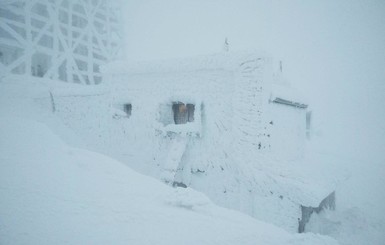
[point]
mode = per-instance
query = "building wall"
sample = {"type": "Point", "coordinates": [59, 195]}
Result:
{"type": "Point", "coordinates": [287, 130]}
{"type": "Point", "coordinates": [152, 95]}
{"type": "Point", "coordinates": [61, 39]}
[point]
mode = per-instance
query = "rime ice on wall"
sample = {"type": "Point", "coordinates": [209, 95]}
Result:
{"type": "Point", "coordinates": [61, 39]}
{"type": "Point", "coordinates": [287, 130]}
{"type": "Point", "coordinates": [248, 103]}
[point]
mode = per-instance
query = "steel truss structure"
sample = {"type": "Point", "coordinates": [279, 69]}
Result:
{"type": "Point", "coordinates": [59, 39]}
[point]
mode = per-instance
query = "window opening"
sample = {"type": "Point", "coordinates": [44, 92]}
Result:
{"type": "Point", "coordinates": [127, 109]}
{"type": "Point", "coordinates": [183, 113]}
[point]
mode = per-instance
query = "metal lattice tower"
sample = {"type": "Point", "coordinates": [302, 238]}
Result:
{"type": "Point", "coordinates": [59, 39]}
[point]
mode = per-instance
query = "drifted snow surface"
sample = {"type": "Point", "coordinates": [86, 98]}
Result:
{"type": "Point", "coordinates": [349, 226]}
{"type": "Point", "coordinates": [359, 217]}
{"type": "Point", "coordinates": [53, 193]}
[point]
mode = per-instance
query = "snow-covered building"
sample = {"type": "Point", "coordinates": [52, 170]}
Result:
{"type": "Point", "coordinates": [66, 40]}
{"type": "Point", "coordinates": [223, 124]}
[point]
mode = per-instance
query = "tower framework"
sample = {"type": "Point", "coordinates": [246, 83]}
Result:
{"type": "Point", "coordinates": [59, 39]}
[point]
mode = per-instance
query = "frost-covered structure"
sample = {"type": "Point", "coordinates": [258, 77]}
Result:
{"type": "Point", "coordinates": [60, 39]}
{"type": "Point", "coordinates": [244, 144]}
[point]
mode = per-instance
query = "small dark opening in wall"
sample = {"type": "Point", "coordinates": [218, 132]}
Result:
{"type": "Point", "coordinates": [328, 202]}
{"type": "Point", "coordinates": [127, 109]}
{"type": "Point", "coordinates": [183, 113]}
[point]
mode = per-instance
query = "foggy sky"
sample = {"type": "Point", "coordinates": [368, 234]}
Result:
{"type": "Point", "coordinates": [332, 51]}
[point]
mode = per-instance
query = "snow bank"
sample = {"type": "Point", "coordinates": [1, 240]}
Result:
{"type": "Point", "coordinates": [348, 226]}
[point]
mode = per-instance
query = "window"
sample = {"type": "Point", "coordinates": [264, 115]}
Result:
{"type": "Point", "coordinates": [127, 109]}
{"type": "Point", "coordinates": [183, 113]}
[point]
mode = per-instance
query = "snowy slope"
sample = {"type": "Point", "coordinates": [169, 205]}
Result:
{"type": "Point", "coordinates": [52, 193]}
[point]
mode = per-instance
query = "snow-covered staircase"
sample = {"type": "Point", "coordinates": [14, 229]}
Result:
{"type": "Point", "coordinates": [173, 159]}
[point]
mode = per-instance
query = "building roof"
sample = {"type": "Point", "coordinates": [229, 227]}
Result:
{"type": "Point", "coordinates": [220, 61]}
{"type": "Point", "coordinates": [290, 103]}
{"type": "Point", "coordinates": [284, 94]}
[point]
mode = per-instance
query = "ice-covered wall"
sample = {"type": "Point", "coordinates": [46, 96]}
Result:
{"type": "Point", "coordinates": [154, 131]}
{"type": "Point", "coordinates": [287, 130]}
